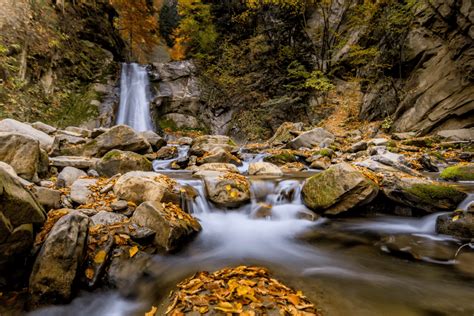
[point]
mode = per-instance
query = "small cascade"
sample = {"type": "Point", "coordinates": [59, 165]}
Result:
{"type": "Point", "coordinates": [166, 164]}
{"type": "Point", "coordinates": [467, 203]}
{"type": "Point", "coordinates": [134, 109]}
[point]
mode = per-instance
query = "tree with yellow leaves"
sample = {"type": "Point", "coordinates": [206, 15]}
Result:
{"type": "Point", "coordinates": [138, 26]}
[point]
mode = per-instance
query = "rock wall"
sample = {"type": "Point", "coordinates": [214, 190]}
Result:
{"type": "Point", "coordinates": [437, 90]}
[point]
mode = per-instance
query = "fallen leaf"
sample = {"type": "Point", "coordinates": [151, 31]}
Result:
{"type": "Point", "coordinates": [455, 218]}
{"type": "Point", "coordinates": [89, 273]}
{"type": "Point", "coordinates": [152, 312]}
{"type": "Point", "coordinates": [100, 257]}
{"type": "Point", "coordinates": [133, 251]}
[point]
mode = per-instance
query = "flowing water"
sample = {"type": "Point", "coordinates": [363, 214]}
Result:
{"type": "Point", "coordinates": [337, 263]}
{"type": "Point", "coordinates": [134, 109]}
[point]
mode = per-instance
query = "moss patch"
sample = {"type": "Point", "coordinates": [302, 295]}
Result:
{"type": "Point", "coordinates": [433, 193]}
{"type": "Point", "coordinates": [460, 172]}
{"type": "Point", "coordinates": [281, 158]}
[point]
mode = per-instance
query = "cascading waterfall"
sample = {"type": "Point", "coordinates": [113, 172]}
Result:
{"type": "Point", "coordinates": [134, 109]}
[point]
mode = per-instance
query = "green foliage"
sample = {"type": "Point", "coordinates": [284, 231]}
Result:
{"type": "Point", "coordinates": [318, 81]}
{"type": "Point", "coordinates": [460, 172]}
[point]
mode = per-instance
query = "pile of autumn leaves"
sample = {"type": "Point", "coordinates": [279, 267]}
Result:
{"type": "Point", "coordinates": [246, 291]}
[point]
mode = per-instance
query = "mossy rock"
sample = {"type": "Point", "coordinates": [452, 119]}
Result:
{"type": "Point", "coordinates": [117, 161]}
{"type": "Point", "coordinates": [459, 172]}
{"type": "Point", "coordinates": [281, 158]}
{"type": "Point", "coordinates": [435, 193]}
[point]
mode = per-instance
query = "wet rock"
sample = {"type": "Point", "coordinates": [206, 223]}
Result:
{"type": "Point", "coordinates": [310, 139]}
{"type": "Point", "coordinates": [418, 247]}
{"type": "Point", "coordinates": [155, 140]}
{"type": "Point", "coordinates": [119, 205]}
{"type": "Point", "coordinates": [117, 161]}
{"type": "Point", "coordinates": [107, 218]}
{"type": "Point", "coordinates": [338, 189]}
{"type": "Point", "coordinates": [263, 211]}
{"type": "Point", "coordinates": [22, 153]}
{"type": "Point", "coordinates": [167, 152]}
{"type": "Point", "coordinates": [13, 126]}
{"type": "Point", "coordinates": [293, 167]}
{"type": "Point", "coordinates": [207, 143]}
{"type": "Point", "coordinates": [119, 137]}
{"type": "Point", "coordinates": [321, 164]}
{"type": "Point", "coordinates": [59, 261]}
{"type": "Point", "coordinates": [219, 155]}
{"type": "Point", "coordinates": [185, 141]}
{"type": "Point", "coordinates": [173, 227]}
{"type": "Point", "coordinates": [93, 173]}
{"type": "Point", "coordinates": [226, 189]}
{"type": "Point", "coordinates": [427, 163]}
{"type": "Point", "coordinates": [72, 161]}
{"type": "Point", "coordinates": [68, 175]}
{"type": "Point", "coordinates": [422, 194]}
{"type": "Point", "coordinates": [80, 191]}
{"type": "Point", "coordinates": [459, 172]}
{"type": "Point", "coordinates": [281, 158]}
{"type": "Point", "coordinates": [45, 128]}
{"type": "Point", "coordinates": [264, 169]}
{"type": "Point", "coordinates": [124, 271]}
{"type": "Point", "coordinates": [48, 198]}
{"type": "Point", "coordinates": [465, 263]}
{"type": "Point", "coordinates": [359, 146]}
{"type": "Point", "coordinates": [225, 167]}
{"type": "Point", "coordinates": [139, 186]}
{"type": "Point", "coordinates": [456, 224]}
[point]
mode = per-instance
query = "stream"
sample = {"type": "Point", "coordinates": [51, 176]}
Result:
{"type": "Point", "coordinates": [338, 263]}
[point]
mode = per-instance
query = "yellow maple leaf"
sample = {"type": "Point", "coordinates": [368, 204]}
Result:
{"type": "Point", "coordinates": [133, 251]}
{"type": "Point", "coordinates": [455, 218]}
{"type": "Point", "coordinates": [100, 257]}
{"type": "Point", "coordinates": [89, 273]}
{"type": "Point", "coordinates": [152, 311]}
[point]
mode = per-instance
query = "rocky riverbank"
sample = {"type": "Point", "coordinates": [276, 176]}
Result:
{"type": "Point", "coordinates": [85, 209]}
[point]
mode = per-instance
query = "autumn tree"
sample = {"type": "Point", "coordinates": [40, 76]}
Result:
{"type": "Point", "coordinates": [137, 25]}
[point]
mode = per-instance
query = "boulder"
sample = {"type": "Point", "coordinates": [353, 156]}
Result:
{"type": "Point", "coordinates": [378, 142]}
{"type": "Point", "coordinates": [155, 140]}
{"type": "Point", "coordinates": [181, 121]}
{"type": "Point", "coordinates": [124, 272]}
{"type": "Point", "coordinates": [359, 146]}
{"type": "Point", "coordinates": [58, 264]}
{"type": "Point", "coordinates": [206, 143]}
{"type": "Point", "coordinates": [45, 128]}
{"type": "Point", "coordinates": [219, 155]}
{"type": "Point", "coordinates": [79, 131]}
{"type": "Point", "coordinates": [456, 224]}
{"type": "Point", "coordinates": [264, 169]}
{"type": "Point", "coordinates": [338, 189]}
{"type": "Point", "coordinates": [226, 189]}
{"type": "Point", "coordinates": [185, 141]}
{"type": "Point", "coordinates": [48, 198]}
{"type": "Point", "coordinates": [281, 158]}
{"type": "Point", "coordinates": [422, 194]}
{"type": "Point", "coordinates": [285, 132]}
{"type": "Point", "coordinates": [293, 167]}
{"type": "Point", "coordinates": [167, 152]}
{"type": "Point", "coordinates": [68, 175]}
{"type": "Point", "coordinates": [13, 126]}
{"type": "Point", "coordinates": [120, 137]}
{"type": "Point", "coordinates": [66, 144]}
{"type": "Point", "coordinates": [117, 161]}
{"type": "Point", "coordinates": [18, 205]}
{"type": "Point", "coordinates": [310, 138]}
{"type": "Point", "coordinates": [72, 161]}
{"type": "Point", "coordinates": [81, 192]}
{"type": "Point", "coordinates": [465, 134]}
{"type": "Point", "coordinates": [172, 225]}
{"type": "Point", "coordinates": [217, 166]}
{"type": "Point", "coordinates": [107, 218]}
{"type": "Point", "coordinates": [459, 172]}
{"type": "Point", "coordinates": [22, 153]}
{"type": "Point", "coordinates": [139, 186]}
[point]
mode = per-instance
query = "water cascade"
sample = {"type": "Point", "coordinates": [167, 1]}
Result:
{"type": "Point", "coordinates": [134, 109]}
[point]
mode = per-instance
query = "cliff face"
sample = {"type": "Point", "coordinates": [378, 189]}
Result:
{"type": "Point", "coordinates": [436, 91]}
{"type": "Point", "coordinates": [56, 59]}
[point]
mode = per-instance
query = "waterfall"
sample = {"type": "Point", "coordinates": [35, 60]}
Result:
{"type": "Point", "coordinates": [134, 109]}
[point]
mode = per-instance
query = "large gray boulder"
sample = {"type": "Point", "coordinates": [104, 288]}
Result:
{"type": "Point", "coordinates": [81, 192]}
{"type": "Point", "coordinates": [465, 134]}
{"type": "Point", "coordinates": [22, 153]}
{"type": "Point", "coordinates": [264, 169]}
{"type": "Point", "coordinates": [140, 186]}
{"type": "Point", "coordinates": [117, 161]}
{"type": "Point", "coordinates": [155, 140]}
{"type": "Point", "coordinates": [338, 189]}
{"type": "Point", "coordinates": [68, 175]}
{"type": "Point", "coordinates": [66, 144]}
{"type": "Point", "coordinates": [73, 161]}
{"type": "Point", "coordinates": [58, 264]}
{"type": "Point", "coordinates": [311, 138]}
{"type": "Point", "coordinates": [13, 126]}
{"type": "Point", "coordinates": [120, 137]}
{"type": "Point", "coordinates": [172, 225]}
{"type": "Point", "coordinates": [45, 128]}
